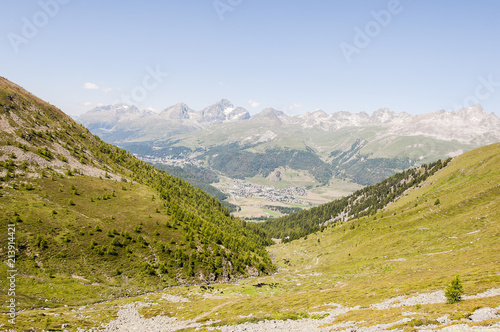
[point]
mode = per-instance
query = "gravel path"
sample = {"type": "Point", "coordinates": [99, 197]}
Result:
{"type": "Point", "coordinates": [400, 301]}
{"type": "Point", "coordinates": [129, 319]}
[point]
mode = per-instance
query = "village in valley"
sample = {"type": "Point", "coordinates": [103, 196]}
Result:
{"type": "Point", "coordinates": [242, 189]}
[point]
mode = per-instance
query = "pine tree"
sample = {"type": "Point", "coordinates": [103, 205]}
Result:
{"type": "Point", "coordinates": [454, 291]}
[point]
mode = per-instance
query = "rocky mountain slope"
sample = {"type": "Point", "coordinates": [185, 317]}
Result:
{"type": "Point", "coordinates": [125, 123]}
{"type": "Point", "coordinates": [354, 147]}
{"type": "Point", "coordinates": [92, 222]}
{"type": "Point", "coordinates": [467, 125]}
{"type": "Point", "coordinates": [358, 147]}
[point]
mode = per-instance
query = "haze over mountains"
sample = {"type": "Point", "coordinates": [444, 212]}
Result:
{"type": "Point", "coordinates": [121, 122]}
{"type": "Point", "coordinates": [467, 125]}
{"type": "Point", "coordinates": [356, 147]}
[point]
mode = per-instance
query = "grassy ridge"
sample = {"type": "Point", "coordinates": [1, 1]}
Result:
{"type": "Point", "coordinates": [200, 178]}
{"type": "Point", "coordinates": [238, 162]}
{"type": "Point", "coordinates": [93, 222]}
{"type": "Point", "coordinates": [416, 244]}
{"type": "Point", "coordinates": [363, 202]}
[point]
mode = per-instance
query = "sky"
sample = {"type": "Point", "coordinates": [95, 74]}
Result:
{"type": "Point", "coordinates": [414, 56]}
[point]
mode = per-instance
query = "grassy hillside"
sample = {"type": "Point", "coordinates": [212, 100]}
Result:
{"type": "Point", "coordinates": [366, 201]}
{"type": "Point", "coordinates": [200, 178]}
{"type": "Point", "coordinates": [236, 162]}
{"type": "Point", "coordinates": [447, 226]}
{"type": "Point", "coordinates": [415, 245]}
{"type": "Point", "coordinates": [93, 222]}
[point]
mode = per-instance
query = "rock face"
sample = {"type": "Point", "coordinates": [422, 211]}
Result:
{"type": "Point", "coordinates": [122, 123]}
{"type": "Point", "coordinates": [127, 123]}
{"type": "Point", "coordinates": [179, 111]}
{"type": "Point", "coordinates": [467, 125]}
{"type": "Point", "coordinates": [107, 117]}
{"type": "Point", "coordinates": [223, 111]}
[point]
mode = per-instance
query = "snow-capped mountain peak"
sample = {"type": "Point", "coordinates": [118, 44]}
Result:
{"type": "Point", "coordinates": [464, 125]}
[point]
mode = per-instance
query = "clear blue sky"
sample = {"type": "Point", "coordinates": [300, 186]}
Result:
{"type": "Point", "coordinates": [293, 55]}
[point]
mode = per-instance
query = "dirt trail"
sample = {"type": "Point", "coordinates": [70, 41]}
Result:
{"type": "Point", "coordinates": [214, 309]}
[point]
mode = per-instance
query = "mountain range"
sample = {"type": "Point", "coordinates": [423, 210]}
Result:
{"type": "Point", "coordinates": [467, 125]}
{"type": "Point", "coordinates": [271, 145]}
{"type": "Point", "coordinates": [122, 122]}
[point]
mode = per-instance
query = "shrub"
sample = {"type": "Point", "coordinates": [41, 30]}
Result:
{"type": "Point", "coordinates": [454, 291]}
{"type": "Point", "coordinates": [149, 270]}
{"type": "Point", "coordinates": [111, 251]}
{"type": "Point", "coordinates": [41, 242]}
{"type": "Point", "coordinates": [163, 268]}
{"type": "Point", "coordinates": [100, 250]}
{"type": "Point", "coordinates": [126, 235]}
{"type": "Point", "coordinates": [142, 241]}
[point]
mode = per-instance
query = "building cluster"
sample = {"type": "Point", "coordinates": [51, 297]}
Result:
{"type": "Point", "coordinates": [243, 189]}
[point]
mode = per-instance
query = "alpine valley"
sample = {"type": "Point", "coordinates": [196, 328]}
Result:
{"type": "Point", "coordinates": [94, 239]}
{"type": "Point", "coordinates": [271, 163]}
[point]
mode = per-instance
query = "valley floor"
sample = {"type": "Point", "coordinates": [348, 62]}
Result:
{"type": "Point", "coordinates": [256, 195]}
{"type": "Point", "coordinates": [482, 319]}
